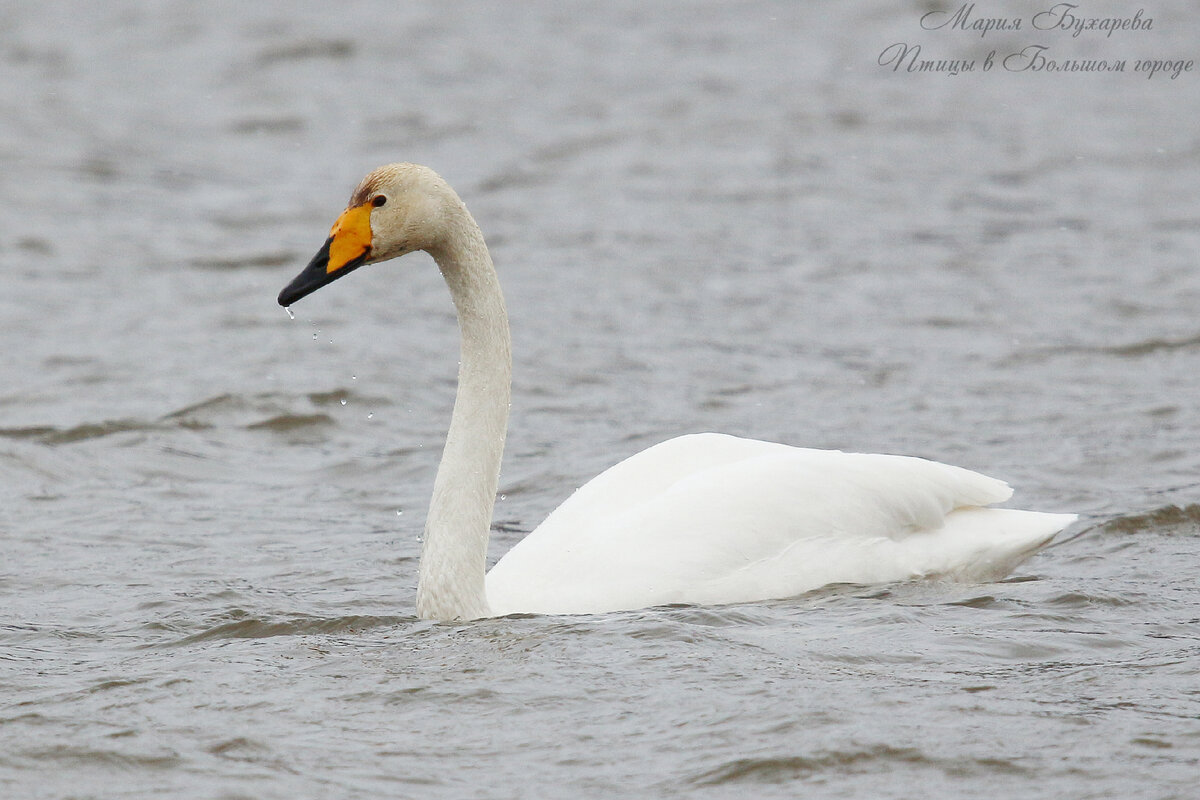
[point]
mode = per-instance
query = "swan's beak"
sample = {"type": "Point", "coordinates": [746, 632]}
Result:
{"type": "Point", "coordinates": [346, 249]}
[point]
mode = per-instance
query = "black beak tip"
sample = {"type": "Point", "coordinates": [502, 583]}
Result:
{"type": "Point", "coordinates": [311, 278]}
{"type": "Point", "coordinates": [317, 274]}
{"type": "Point", "coordinates": [301, 286]}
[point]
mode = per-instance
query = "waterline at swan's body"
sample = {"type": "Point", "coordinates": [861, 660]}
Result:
{"type": "Point", "coordinates": [702, 519]}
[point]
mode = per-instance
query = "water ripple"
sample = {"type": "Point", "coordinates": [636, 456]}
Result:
{"type": "Point", "coordinates": [257, 628]}
{"type": "Point", "coordinates": [783, 769]}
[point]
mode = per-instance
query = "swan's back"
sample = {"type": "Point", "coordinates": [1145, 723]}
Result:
{"type": "Point", "coordinates": [710, 518]}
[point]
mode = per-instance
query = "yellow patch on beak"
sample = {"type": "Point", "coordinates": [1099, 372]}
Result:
{"type": "Point", "coordinates": [351, 237]}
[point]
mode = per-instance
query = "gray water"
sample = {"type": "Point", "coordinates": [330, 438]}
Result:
{"type": "Point", "coordinates": [717, 216]}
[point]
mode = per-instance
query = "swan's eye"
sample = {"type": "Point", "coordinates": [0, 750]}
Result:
{"type": "Point", "coordinates": [379, 200]}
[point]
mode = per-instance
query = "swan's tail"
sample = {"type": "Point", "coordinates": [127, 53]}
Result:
{"type": "Point", "coordinates": [986, 544]}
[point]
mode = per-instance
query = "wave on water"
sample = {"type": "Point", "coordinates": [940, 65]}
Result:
{"type": "Point", "coordinates": [1170, 518]}
{"type": "Point", "coordinates": [71, 756]}
{"type": "Point", "coordinates": [268, 411]}
{"type": "Point", "coordinates": [251, 627]}
{"type": "Point", "coordinates": [272, 260]}
{"type": "Point", "coordinates": [784, 769]}
{"type": "Point", "coordinates": [1145, 347]}
{"type": "Point", "coordinates": [52, 434]}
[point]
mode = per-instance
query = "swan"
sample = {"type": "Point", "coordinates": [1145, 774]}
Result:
{"type": "Point", "coordinates": [701, 519]}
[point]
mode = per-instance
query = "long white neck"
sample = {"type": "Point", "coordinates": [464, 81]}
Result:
{"type": "Point", "coordinates": [454, 555]}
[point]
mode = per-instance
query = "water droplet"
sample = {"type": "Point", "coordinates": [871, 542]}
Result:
{"type": "Point", "coordinates": [314, 337]}
{"type": "Point", "coordinates": [370, 414]}
{"type": "Point", "coordinates": [342, 401]}
{"type": "Point", "coordinates": [290, 313]}
{"type": "Point", "coordinates": [353, 377]}
{"type": "Point", "coordinates": [399, 512]}
{"type": "Point", "coordinates": [503, 497]}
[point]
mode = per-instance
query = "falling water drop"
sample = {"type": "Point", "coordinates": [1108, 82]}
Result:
{"type": "Point", "coordinates": [342, 401]}
{"type": "Point", "coordinates": [291, 314]}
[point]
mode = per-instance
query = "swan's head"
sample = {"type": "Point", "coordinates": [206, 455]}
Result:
{"type": "Point", "coordinates": [395, 210]}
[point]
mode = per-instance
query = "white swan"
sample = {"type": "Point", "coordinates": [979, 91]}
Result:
{"type": "Point", "coordinates": [705, 518]}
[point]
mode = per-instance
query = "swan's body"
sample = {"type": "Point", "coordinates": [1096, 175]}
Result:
{"type": "Point", "coordinates": [700, 519]}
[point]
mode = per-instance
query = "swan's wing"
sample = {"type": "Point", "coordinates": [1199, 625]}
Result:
{"type": "Point", "coordinates": [710, 518]}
